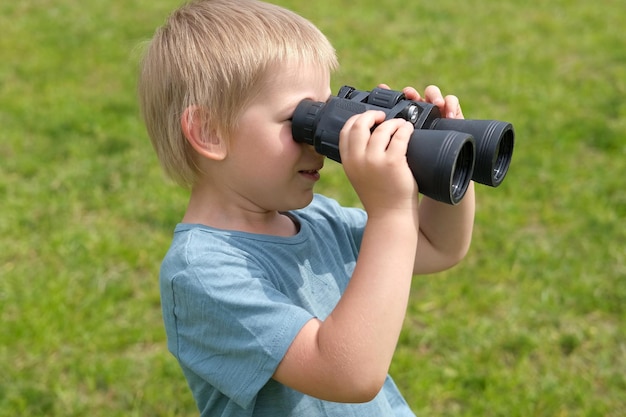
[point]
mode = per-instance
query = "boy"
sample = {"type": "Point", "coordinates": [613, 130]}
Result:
{"type": "Point", "coordinates": [276, 301]}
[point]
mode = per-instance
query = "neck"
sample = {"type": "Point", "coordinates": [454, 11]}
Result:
{"type": "Point", "coordinates": [217, 211]}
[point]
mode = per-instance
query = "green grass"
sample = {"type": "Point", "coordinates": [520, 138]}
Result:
{"type": "Point", "coordinates": [532, 323]}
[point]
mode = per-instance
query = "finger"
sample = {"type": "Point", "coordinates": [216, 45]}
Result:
{"type": "Point", "coordinates": [433, 95]}
{"type": "Point", "coordinates": [357, 130]}
{"type": "Point", "coordinates": [412, 94]}
{"type": "Point", "coordinates": [409, 92]}
{"type": "Point", "coordinates": [344, 135]}
{"type": "Point", "coordinates": [400, 140]}
{"type": "Point", "coordinates": [383, 135]}
{"type": "Point", "coordinates": [452, 108]}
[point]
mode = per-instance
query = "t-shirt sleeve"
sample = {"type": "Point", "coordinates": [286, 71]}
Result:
{"type": "Point", "coordinates": [232, 326]}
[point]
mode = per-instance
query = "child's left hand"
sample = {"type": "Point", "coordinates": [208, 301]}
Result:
{"type": "Point", "coordinates": [448, 106]}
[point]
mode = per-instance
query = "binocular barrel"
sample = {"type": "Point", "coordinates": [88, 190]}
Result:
{"type": "Point", "coordinates": [494, 146]}
{"type": "Point", "coordinates": [444, 155]}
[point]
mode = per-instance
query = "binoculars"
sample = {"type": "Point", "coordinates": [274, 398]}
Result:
{"type": "Point", "coordinates": [444, 155]}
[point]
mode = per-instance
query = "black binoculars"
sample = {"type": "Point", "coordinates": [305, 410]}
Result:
{"type": "Point", "coordinates": [444, 155]}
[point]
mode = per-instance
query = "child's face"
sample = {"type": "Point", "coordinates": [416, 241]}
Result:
{"type": "Point", "coordinates": [267, 168]}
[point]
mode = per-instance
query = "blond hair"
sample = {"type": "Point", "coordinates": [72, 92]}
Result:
{"type": "Point", "coordinates": [216, 54]}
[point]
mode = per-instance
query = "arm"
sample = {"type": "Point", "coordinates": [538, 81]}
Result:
{"type": "Point", "coordinates": [445, 230]}
{"type": "Point", "coordinates": [445, 233]}
{"type": "Point", "coordinates": [346, 358]}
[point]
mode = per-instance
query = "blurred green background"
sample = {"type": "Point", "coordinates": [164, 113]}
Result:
{"type": "Point", "coordinates": [531, 323]}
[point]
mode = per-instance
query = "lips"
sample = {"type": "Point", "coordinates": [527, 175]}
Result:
{"type": "Point", "coordinates": [312, 174]}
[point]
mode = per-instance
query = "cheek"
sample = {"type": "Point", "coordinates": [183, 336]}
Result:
{"type": "Point", "coordinates": [286, 137]}
{"type": "Point", "coordinates": [277, 141]}
{"type": "Point", "coordinates": [267, 148]}
{"type": "Point", "coordinates": [291, 149]}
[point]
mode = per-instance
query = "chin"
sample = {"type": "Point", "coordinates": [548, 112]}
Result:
{"type": "Point", "coordinates": [301, 202]}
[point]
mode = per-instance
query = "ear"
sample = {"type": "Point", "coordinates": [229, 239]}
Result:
{"type": "Point", "coordinates": [207, 142]}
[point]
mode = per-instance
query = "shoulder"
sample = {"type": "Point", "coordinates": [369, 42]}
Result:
{"type": "Point", "coordinates": [196, 250]}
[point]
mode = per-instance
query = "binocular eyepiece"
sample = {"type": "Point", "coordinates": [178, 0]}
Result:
{"type": "Point", "coordinates": [444, 155]}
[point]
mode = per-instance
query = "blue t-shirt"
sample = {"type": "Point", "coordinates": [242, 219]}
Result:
{"type": "Point", "coordinates": [233, 302]}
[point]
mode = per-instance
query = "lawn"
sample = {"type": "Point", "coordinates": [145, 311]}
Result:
{"type": "Point", "coordinates": [531, 323]}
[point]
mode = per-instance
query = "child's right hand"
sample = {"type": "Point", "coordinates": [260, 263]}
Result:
{"type": "Point", "coordinates": [375, 162]}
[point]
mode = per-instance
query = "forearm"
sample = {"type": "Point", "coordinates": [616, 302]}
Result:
{"type": "Point", "coordinates": [369, 317]}
{"type": "Point", "coordinates": [346, 357]}
{"type": "Point", "coordinates": [445, 233]}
